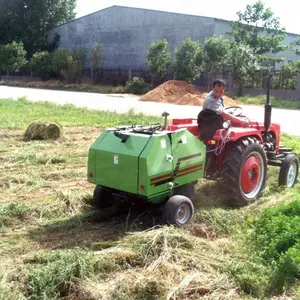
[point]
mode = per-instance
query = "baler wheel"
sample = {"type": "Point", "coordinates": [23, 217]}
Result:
{"type": "Point", "coordinates": [289, 171]}
{"type": "Point", "coordinates": [178, 210]}
{"type": "Point", "coordinates": [102, 198]}
{"type": "Point", "coordinates": [244, 171]}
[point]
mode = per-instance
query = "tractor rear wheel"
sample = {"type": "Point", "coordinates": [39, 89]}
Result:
{"type": "Point", "coordinates": [244, 171]}
{"type": "Point", "coordinates": [289, 171]}
{"type": "Point", "coordinates": [102, 197]}
{"type": "Point", "coordinates": [178, 210]}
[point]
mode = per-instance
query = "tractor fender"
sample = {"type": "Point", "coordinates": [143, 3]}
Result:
{"type": "Point", "coordinates": [235, 133]}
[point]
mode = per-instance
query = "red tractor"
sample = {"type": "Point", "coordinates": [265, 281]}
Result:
{"type": "Point", "coordinates": [238, 157]}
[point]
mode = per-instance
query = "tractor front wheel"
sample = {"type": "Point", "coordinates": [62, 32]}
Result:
{"type": "Point", "coordinates": [289, 171]}
{"type": "Point", "coordinates": [178, 210]}
{"type": "Point", "coordinates": [102, 197]}
{"type": "Point", "coordinates": [244, 171]}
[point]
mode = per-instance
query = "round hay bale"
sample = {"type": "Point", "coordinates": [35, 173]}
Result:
{"type": "Point", "coordinates": [42, 131]}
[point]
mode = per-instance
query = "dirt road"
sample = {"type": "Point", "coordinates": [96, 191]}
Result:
{"type": "Point", "coordinates": [289, 119]}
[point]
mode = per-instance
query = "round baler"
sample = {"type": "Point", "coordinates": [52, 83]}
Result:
{"type": "Point", "coordinates": [147, 163]}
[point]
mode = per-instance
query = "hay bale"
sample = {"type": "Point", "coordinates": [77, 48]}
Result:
{"type": "Point", "coordinates": [42, 131]}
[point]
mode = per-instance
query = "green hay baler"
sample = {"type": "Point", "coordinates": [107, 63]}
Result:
{"type": "Point", "coordinates": [148, 164]}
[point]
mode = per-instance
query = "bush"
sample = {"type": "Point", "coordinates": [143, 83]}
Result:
{"type": "Point", "coordinates": [136, 86]}
{"type": "Point", "coordinates": [275, 236]}
{"type": "Point", "coordinates": [41, 64]}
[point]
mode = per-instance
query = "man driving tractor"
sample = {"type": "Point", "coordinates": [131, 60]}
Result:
{"type": "Point", "coordinates": [211, 118]}
{"type": "Point", "coordinates": [215, 102]}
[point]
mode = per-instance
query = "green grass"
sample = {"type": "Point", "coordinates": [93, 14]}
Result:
{"type": "Point", "coordinates": [19, 114]}
{"type": "Point", "coordinates": [55, 246]}
{"type": "Point", "coordinates": [276, 103]}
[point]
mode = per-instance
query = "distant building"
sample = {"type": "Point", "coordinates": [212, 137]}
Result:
{"type": "Point", "coordinates": [126, 33]}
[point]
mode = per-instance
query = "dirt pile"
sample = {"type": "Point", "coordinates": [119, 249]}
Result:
{"type": "Point", "coordinates": [170, 92]}
{"type": "Point", "coordinates": [180, 93]}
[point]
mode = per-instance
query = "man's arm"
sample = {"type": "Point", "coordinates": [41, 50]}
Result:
{"type": "Point", "coordinates": [234, 120]}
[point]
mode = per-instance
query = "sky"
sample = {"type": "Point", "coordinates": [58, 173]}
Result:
{"type": "Point", "coordinates": [287, 10]}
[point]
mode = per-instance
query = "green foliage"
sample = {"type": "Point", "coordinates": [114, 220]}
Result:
{"type": "Point", "coordinates": [136, 86]}
{"type": "Point", "coordinates": [255, 19]}
{"type": "Point", "coordinates": [159, 58]}
{"type": "Point", "coordinates": [275, 235]}
{"type": "Point", "coordinates": [69, 64]}
{"type": "Point", "coordinates": [241, 63]}
{"type": "Point", "coordinates": [29, 22]}
{"type": "Point", "coordinates": [41, 63]}
{"type": "Point", "coordinates": [215, 54]}
{"type": "Point", "coordinates": [12, 57]}
{"type": "Point", "coordinates": [189, 59]}
{"type": "Point", "coordinates": [295, 46]}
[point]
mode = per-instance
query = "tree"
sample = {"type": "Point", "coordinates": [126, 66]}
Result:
{"type": "Point", "coordinates": [242, 61]}
{"type": "Point", "coordinates": [12, 57]}
{"type": "Point", "coordinates": [258, 28]}
{"type": "Point", "coordinates": [96, 58]}
{"type": "Point", "coordinates": [189, 58]}
{"type": "Point", "coordinates": [41, 64]}
{"type": "Point", "coordinates": [215, 54]}
{"type": "Point", "coordinates": [29, 20]}
{"type": "Point", "coordinates": [159, 58]}
{"type": "Point", "coordinates": [295, 46]}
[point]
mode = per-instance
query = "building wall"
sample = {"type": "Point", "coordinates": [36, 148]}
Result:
{"type": "Point", "coordinates": [126, 33]}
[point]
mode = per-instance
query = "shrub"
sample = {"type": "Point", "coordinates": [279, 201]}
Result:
{"type": "Point", "coordinates": [275, 237]}
{"type": "Point", "coordinates": [136, 86]}
{"type": "Point", "coordinates": [41, 64]}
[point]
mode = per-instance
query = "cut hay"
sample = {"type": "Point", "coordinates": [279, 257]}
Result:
{"type": "Point", "coordinates": [42, 131]}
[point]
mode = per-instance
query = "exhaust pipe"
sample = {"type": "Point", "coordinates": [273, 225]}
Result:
{"type": "Point", "coordinates": [268, 106]}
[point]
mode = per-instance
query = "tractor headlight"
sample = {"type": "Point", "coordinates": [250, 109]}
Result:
{"type": "Point", "coordinates": [226, 125]}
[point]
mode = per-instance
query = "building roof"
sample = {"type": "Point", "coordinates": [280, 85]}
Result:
{"type": "Point", "coordinates": [154, 10]}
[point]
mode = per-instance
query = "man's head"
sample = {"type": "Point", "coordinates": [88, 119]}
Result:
{"type": "Point", "coordinates": [218, 88]}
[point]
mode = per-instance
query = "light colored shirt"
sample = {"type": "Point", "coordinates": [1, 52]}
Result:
{"type": "Point", "coordinates": [212, 103]}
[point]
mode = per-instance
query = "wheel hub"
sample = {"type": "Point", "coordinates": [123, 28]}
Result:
{"type": "Point", "coordinates": [291, 174]}
{"type": "Point", "coordinates": [183, 214]}
{"type": "Point", "coordinates": [251, 174]}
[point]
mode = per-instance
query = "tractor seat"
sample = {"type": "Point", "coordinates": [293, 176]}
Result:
{"type": "Point", "coordinates": [208, 122]}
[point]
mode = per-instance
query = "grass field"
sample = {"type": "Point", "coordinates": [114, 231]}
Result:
{"type": "Point", "coordinates": [276, 103]}
{"type": "Point", "coordinates": [55, 246]}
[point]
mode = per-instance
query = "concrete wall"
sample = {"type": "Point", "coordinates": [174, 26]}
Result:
{"type": "Point", "coordinates": [126, 33]}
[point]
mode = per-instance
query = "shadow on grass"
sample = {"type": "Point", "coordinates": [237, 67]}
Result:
{"type": "Point", "coordinates": [97, 226]}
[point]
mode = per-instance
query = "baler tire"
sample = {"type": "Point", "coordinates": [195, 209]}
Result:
{"type": "Point", "coordinates": [290, 159]}
{"type": "Point", "coordinates": [102, 198]}
{"type": "Point", "coordinates": [231, 174]}
{"type": "Point", "coordinates": [173, 207]}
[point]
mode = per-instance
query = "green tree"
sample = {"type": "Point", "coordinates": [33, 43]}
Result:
{"type": "Point", "coordinates": [258, 28]}
{"type": "Point", "coordinates": [41, 64]}
{"type": "Point", "coordinates": [96, 58]}
{"type": "Point", "coordinates": [295, 46]}
{"type": "Point", "coordinates": [242, 62]}
{"type": "Point", "coordinates": [29, 20]}
{"type": "Point", "coordinates": [189, 59]}
{"type": "Point", "coordinates": [12, 57]}
{"type": "Point", "coordinates": [159, 58]}
{"type": "Point", "coordinates": [215, 55]}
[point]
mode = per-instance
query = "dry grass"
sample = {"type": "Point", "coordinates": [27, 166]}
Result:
{"type": "Point", "coordinates": [53, 245]}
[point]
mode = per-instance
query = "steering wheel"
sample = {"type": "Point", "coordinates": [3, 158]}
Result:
{"type": "Point", "coordinates": [233, 110]}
